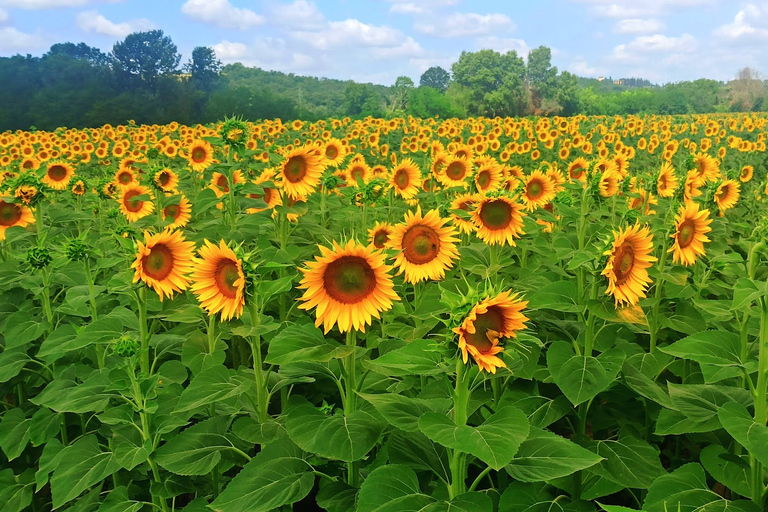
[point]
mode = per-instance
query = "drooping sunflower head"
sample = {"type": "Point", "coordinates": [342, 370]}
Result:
{"type": "Point", "coordinates": [379, 234]}
{"type": "Point", "coordinates": [78, 188]}
{"type": "Point", "coordinates": [426, 246]}
{"type": "Point", "coordinates": [727, 194]}
{"type": "Point", "coordinates": [666, 183]}
{"type": "Point", "coordinates": [14, 214]}
{"type": "Point", "coordinates": [406, 178]}
{"type": "Point", "coordinates": [177, 214]}
{"type": "Point", "coordinates": [218, 280]}
{"type": "Point", "coordinates": [609, 183]}
{"type": "Point", "coordinates": [692, 186]}
{"type": "Point", "coordinates": [58, 175]}
{"type": "Point", "coordinates": [577, 170]}
{"type": "Point", "coordinates": [136, 202]}
{"type": "Point", "coordinates": [538, 190]}
{"type": "Point", "coordinates": [301, 171]}
{"type": "Point", "coordinates": [691, 227]}
{"type": "Point", "coordinates": [498, 220]}
{"type": "Point", "coordinates": [163, 262]}
{"type": "Point", "coordinates": [489, 321]}
{"type": "Point", "coordinates": [348, 285]}
{"type": "Point", "coordinates": [706, 168]}
{"type": "Point", "coordinates": [199, 155]}
{"type": "Point", "coordinates": [628, 261]}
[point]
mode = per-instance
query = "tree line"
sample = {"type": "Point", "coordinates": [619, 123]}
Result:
{"type": "Point", "coordinates": [143, 79]}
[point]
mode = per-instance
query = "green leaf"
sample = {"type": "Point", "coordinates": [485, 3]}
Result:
{"type": "Point", "coordinates": [542, 411]}
{"type": "Point", "coordinates": [718, 348]}
{"type": "Point", "coordinates": [271, 287]}
{"type": "Point", "coordinates": [304, 344]}
{"type": "Point", "coordinates": [197, 449]}
{"type": "Point", "coordinates": [700, 402]}
{"type": "Point", "coordinates": [581, 378]}
{"type": "Point", "coordinates": [12, 361]}
{"type": "Point", "coordinates": [467, 502]}
{"type": "Point", "coordinates": [14, 433]}
{"type": "Point", "coordinates": [251, 430]}
{"type": "Point", "coordinates": [418, 452]}
{"type": "Point", "coordinates": [677, 423]}
{"type": "Point", "coordinates": [745, 292]}
{"type": "Point", "coordinates": [21, 328]}
{"type": "Point", "coordinates": [336, 496]}
{"type": "Point", "coordinates": [213, 385]}
{"type": "Point", "coordinates": [404, 412]}
{"type": "Point", "coordinates": [495, 442]}
{"type": "Point", "coordinates": [748, 433]}
{"type": "Point", "coordinates": [629, 461]}
{"type": "Point", "coordinates": [104, 330]}
{"type": "Point", "coordinates": [545, 456]}
{"type": "Point", "coordinates": [341, 437]}
{"type": "Point", "coordinates": [392, 488]}
{"type": "Point", "coordinates": [44, 426]}
{"type": "Point", "coordinates": [560, 296]}
{"type": "Point", "coordinates": [418, 357]}
{"type": "Point", "coordinates": [131, 451]}
{"type": "Point", "coordinates": [65, 395]}
{"type": "Point", "coordinates": [644, 385]}
{"type": "Point", "coordinates": [535, 497]}
{"type": "Point", "coordinates": [118, 501]}
{"type": "Point", "coordinates": [204, 201]}
{"type": "Point", "coordinates": [720, 464]}
{"type": "Point", "coordinates": [686, 490]}
{"type": "Point", "coordinates": [16, 492]}
{"type": "Point", "coordinates": [80, 466]}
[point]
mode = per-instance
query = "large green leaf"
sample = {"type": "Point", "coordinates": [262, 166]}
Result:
{"type": "Point", "coordinates": [118, 501]}
{"type": "Point", "coordinates": [196, 450]}
{"type": "Point", "coordinates": [531, 497]}
{"type": "Point", "coordinates": [748, 433]}
{"type": "Point", "coordinates": [730, 470]}
{"type": "Point", "coordinates": [561, 296]}
{"type": "Point", "coordinates": [581, 378]}
{"type": "Point", "coordinates": [418, 452]}
{"type": "Point", "coordinates": [14, 433]}
{"type": "Point", "coordinates": [700, 402]}
{"type": "Point", "coordinates": [304, 344]}
{"type": "Point", "coordinates": [467, 502]}
{"type": "Point", "coordinates": [392, 488]}
{"type": "Point", "coordinates": [495, 442]}
{"type": "Point", "coordinates": [21, 328]}
{"type": "Point", "coordinates": [210, 386]}
{"type": "Point", "coordinates": [545, 456]}
{"type": "Point", "coordinates": [418, 357]}
{"type": "Point", "coordinates": [542, 411]}
{"type": "Point", "coordinates": [336, 496]}
{"type": "Point", "coordinates": [718, 348]}
{"type": "Point", "coordinates": [629, 461]}
{"type": "Point", "coordinates": [80, 466]}
{"type": "Point", "coordinates": [341, 437]}
{"type": "Point", "coordinates": [12, 360]}
{"type": "Point", "coordinates": [745, 292]}
{"type": "Point", "coordinates": [104, 330]}
{"type": "Point", "coordinates": [44, 426]}
{"type": "Point", "coordinates": [676, 423]}
{"type": "Point", "coordinates": [404, 412]}
{"type": "Point", "coordinates": [16, 492]}
{"type": "Point", "coordinates": [66, 395]}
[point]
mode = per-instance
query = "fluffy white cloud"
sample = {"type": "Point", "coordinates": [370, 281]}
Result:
{"type": "Point", "coordinates": [466, 24]}
{"type": "Point", "coordinates": [502, 45]}
{"type": "Point", "coordinates": [749, 23]}
{"type": "Point", "coordinates": [580, 67]}
{"type": "Point", "coordinates": [12, 40]}
{"type": "Point", "coordinates": [407, 49]}
{"type": "Point", "coordinates": [3, 15]}
{"type": "Point", "coordinates": [626, 9]}
{"type": "Point", "coordinates": [299, 15]}
{"type": "Point", "coordinates": [639, 26]}
{"type": "Point", "coordinates": [50, 4]}
{"type": "Point", "coordinates": [407, 8]}
{"type": "Point", "coordinates": [351, 33]}
{"type": "Point", "coordinates": [92, 21]}
{"type": "Point", "coordinates": [658, 47]}
{"type": "Point", "coordinates": [221, 14]}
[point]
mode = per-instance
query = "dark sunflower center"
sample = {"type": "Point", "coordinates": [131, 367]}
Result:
{"type": "Point", "coordinates": [9, 214]}
{"type": "Point", "coordinates": [165, 178]}
{"type": "Point", "coordinates": [496, 214]}
{"type": "Point", "coordinates": [295, 169]}
{"type": "Point", "coordinates": [199, 155]}
{"type": "Point", "coordinates": [686, 234]}
{"type": "Point", "coordinates": [380, 238]}
{"type": "Point", "coordinates": [349, 279]}
{"type": "Point", "coordinates": [577, 173]}
{"type": "Point", "coordinates": [159, 262]}
{"type": "Point", "coordinates": [226, 275]}
{"type": "Point", "coordinates": [744, 173]}
{"type": "Point", "coordinates": [172, 210]}
{"type": "Point", "coordinates": [402, 179]}
{"type": "Point", "coordinates": [491, 320]}
{"type": "Point", "coordinates": [624, 261]}
{"type": "Point", "coordinates": [357, 172]}
{"type": "Point", "coordinates": [222, 183]}
{"type": "Point", "coordinates": [483, 179]}
{"type": "Point", "coordinates": [124, 177]}
{"type": "Point", "coordinates": [57, 172]}
{"type": "Point", "coordinates": [421, 244]}
{"type": "Point", "coordinates": [722, 193]}
{"type": "Point", "coordinates": [133, 205]}
{"type": "Point", "coordinates": [456, 171]}
{"type": "Point", "coordinates": [464, 205]}
{"type": "Point", "coordinates": [535, 189]}
{"type": "Point", "coordinates": [662, 182]}
{"type": "Point", "coordinates": [331, 152]}
{"type": "Point", "coordinates": [28, 164]}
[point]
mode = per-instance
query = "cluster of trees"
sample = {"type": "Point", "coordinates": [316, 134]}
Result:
{"type": "Point", "coordinates": [143, 79]}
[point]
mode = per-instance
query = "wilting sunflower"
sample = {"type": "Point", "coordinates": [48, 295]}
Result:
{"type": "Point", "coordinates": [628, 261]}
{"type": "Point", "coordinates": [666, 183]}
{"type": "Point", "coordinates": [609, 183]}
{"type": "Point", "coordinates": [426, 246]}
{"type": "Point", "coordinates": [538, 190]}
{"type": "Point", "coordinates": [27, 193]}
{"type": "Point", "coordinates": [218, 281]}
{"type": "Point", "coordinates": [178, 213]}
{"type": "Point", "coordinates": [455, 172]}
{"type": "Point", "coordinates": [349, 286]}
{"type": "Point", "coordinates": [489, 321]}
{"type": "Point", "coordinates": [746, 173]}
{"type": "Point", "coordinates": [727, 195]}
{"type": "Point", "coordinates": [166, 180]}
{"type": "Point", "coordinates": [58, 175]}
{"type": "Point", "coordinates": [691, 227]}
{"type": "Point", "coordinates": [577, 170]}
{"type": "Point", "coordinates": [379, 234]}
{"type": "Point", "coordinates": [163, 262]}
{"type": "Point", "coordinates": [134, 209]}
{"type": "Point", "coordinates": [200, 155]}
{"type": "Point", "coordinates": [464, 202]}
{"type": "Point", "coordinates": [406, 179]}
{"type": "Point", "coordinates": [301, 171]}
{"type": "Point", "coordinates": [12, 214]}
{"type": "Point", "coordinates": [498, 220]}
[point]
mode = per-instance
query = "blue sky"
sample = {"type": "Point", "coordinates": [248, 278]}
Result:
{"type": "Point", "coordinates": [378, 40]}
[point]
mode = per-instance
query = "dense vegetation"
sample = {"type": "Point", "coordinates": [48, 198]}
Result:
{"type": "Point", "coordinates": [143, 79]}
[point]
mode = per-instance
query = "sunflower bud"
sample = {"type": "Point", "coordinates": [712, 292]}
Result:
{"type": "Point", "coordinates": [330, 182]}
{"type": "Point", "coordinates": [39, 257]}
{"type": "Point", "coordinates": [234, 131]}
{"type": "Point", "coordinates": [126, 346]}
{"type": "Point", "coordinates": [76, 249]}
{"type": "Point", "coordinates": [153, 153]}
{"type": "Point", "coordinates": [631, 217]}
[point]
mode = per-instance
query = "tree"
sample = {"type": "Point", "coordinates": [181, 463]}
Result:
{"type": "Point", "coordinates": [494, 80]}
{"type": "Point", "coordinates": [746, 91]}
{"type": "Point", "coordinates": [567, 93]}
{"type": "Point", "coordinates": [204, 68]}
{"type": "Point", "coordinates": [398, 98]}
{"type": "Point", "coordinates": [144, 56]}
{"type": "Point", "coordinates": [436, 78]}
{"type": "Point", "coordinates": [361, 100]}
{"type": "Point", "coordinates": [542, 77]}
{"type": "Point", "coordinates": [82, 52]}
{"type": "Point", "coordinates": [429, 102]}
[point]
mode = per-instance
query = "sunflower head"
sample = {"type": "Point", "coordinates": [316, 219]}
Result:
{"type": "Point", "coordinates": [39, 257]}
{"type": "Point", "coordinates": [627, 266]}
{"type": "Point", "coordinates": [76, 249]}
{"type": "Point", "coordinates": [218, 280]}
{"type": "Point", "coordinates": [163, 262]}
{"type": "Point", "coordinates": [234, 131]}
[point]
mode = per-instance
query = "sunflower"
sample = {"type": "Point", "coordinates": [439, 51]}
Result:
{"type": "Point", "coordinates": [692, 185]}
{"type": "Point", "coordinates": [691, 227]}
{"type": "Point", "coordinates": [349, 286]}
{"type": "Point", "coordinates": [488, 176]}
{"type": "Point", "coordinates": [727, 195]}
{"type": "Point", "coordinates": [706, 168]}
{"type": "Point", "coordinates": [12, 214]}
{"type": "Point", "coordinates": [357, 169]}
{"type": "Point", "coordinates": [58, 174]}
{"type": "Point", "coordinates": [334, 152]}
{"type": "Point", "coordinates": [666, 183]}
{"type": "Point", "coordinates": [489, 321]}
{"type": "Point", "coordinates": [406, 178]}
{"type": "Point", "coordinates": [166, 180]}
{"type": "Point", "coordinates": [220, 183]}
{"type": "Point", "coordinates": [498, 220]}
{"type": "Point", "coordinates": [301, 171]}
{"type": "Point", "coordinates": [134, 209]}
{"type": "Point", "coordinates": [163, 262]}
{"type": "Point", "coordinates": [27, 193]}
{"type": "Point", "coordinates": [455, 172]}
{"type": "Point", "coordinates": [178, 213]}
{"type": "Point", "coordinates": [379, 234]}
{"type": "Point", "coordinates": [628, 261]}
{"type": "Point", "coordinates": [78, 188]}
{"type": "Point", "coordinates": [464, 202]}
{"type": "Point", "coordinates": [200, 155]}
{"type": "Point", "coordinates": [271, 195]}
{"type": "Point", "coordinates": [125, 177]}
{"type": "Point", "coordinates": [746, 173]}
{"type": "Point", "coordinates": [218, 281]}
{"type": "Point", "coordinates": [538, 190]}
{"type": "Point", "coordinates": [609, 183]}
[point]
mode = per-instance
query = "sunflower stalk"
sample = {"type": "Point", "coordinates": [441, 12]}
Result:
{"type": "Point", "coordinates": [654, 326]}
{"type": "Point", "coordinates": [94, 313]}
{"type": "Point", "coordinates": [262, 377]}
{"type": "Point", "coordinates": [460, 412]}
{"type": "Point", "coordinates": [141, 302]}
{"type": "Point", "coordinates": [761, 408]}
{"type": "Point", "coordinates": [350, 399]}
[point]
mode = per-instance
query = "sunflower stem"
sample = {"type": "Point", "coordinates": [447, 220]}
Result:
{"type": "Point", "coordinates": [46, 298]}
{"type": "Point", "coordinates": [657, 296]}
{"type": "Point", "coordinates": [350, 400]}
{"type": "Point", "coordinates": [460, 407]}
{"type": "Point", "coordinates": [761, 408]}
{"type": "Point", "coordinates": [94, 313]}
{"type": "Point", "coordinates": [262, 394]}
{"type": "Point", "coordinates": [141, 300]}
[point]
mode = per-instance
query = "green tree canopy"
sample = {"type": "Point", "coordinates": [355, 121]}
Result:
{"type": "Point", "coordinates": [436, 78]}
{"type": "Point", "coordinates": [142, 57]}
{"type": "Point", "coordinates": [495, 82]}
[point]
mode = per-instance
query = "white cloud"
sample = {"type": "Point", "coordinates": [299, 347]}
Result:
{"type": "Point", "coordinates": [12, 40]}
{"type": "Point", "coordinates": [644, 48]}
{"type": "Point", "coordinates": [3, 15]}
{"type": "Point", "coordinates": [626, 9]}
{"type": "Point", "coordinates": [230, 52]}
{"type": "Point", "coordinates": [351, 33]}
{"type": "Point", "coordinates": [749, 23]}
{"type": "Point", "coordinates": [408, 49]}
{"type": "Point", "coordinates": [580, 67]}
{"type": "Point", "coordinates": [503, 45]}
{"type": "Point", "coordinates": [221, 14]}
{"type": "Point", "coordinates": [299, 15]}
{"type": "Point", "coordinates": [92, 21]}
{"type": "Point", "coordinates": [638, 26]}
{"type": "Point", "coordinates": [49, 4]}
{"type": "Point", "coordinates": [407, 8]}
{"type": "Point", "coordinates": [466, 24]}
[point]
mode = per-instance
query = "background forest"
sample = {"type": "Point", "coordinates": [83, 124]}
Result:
{"type": "Point", "coordinates": [143, 79]}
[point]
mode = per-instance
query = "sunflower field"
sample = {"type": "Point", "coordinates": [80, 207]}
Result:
{"type": "Point", "coordinates": [480, 315]}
